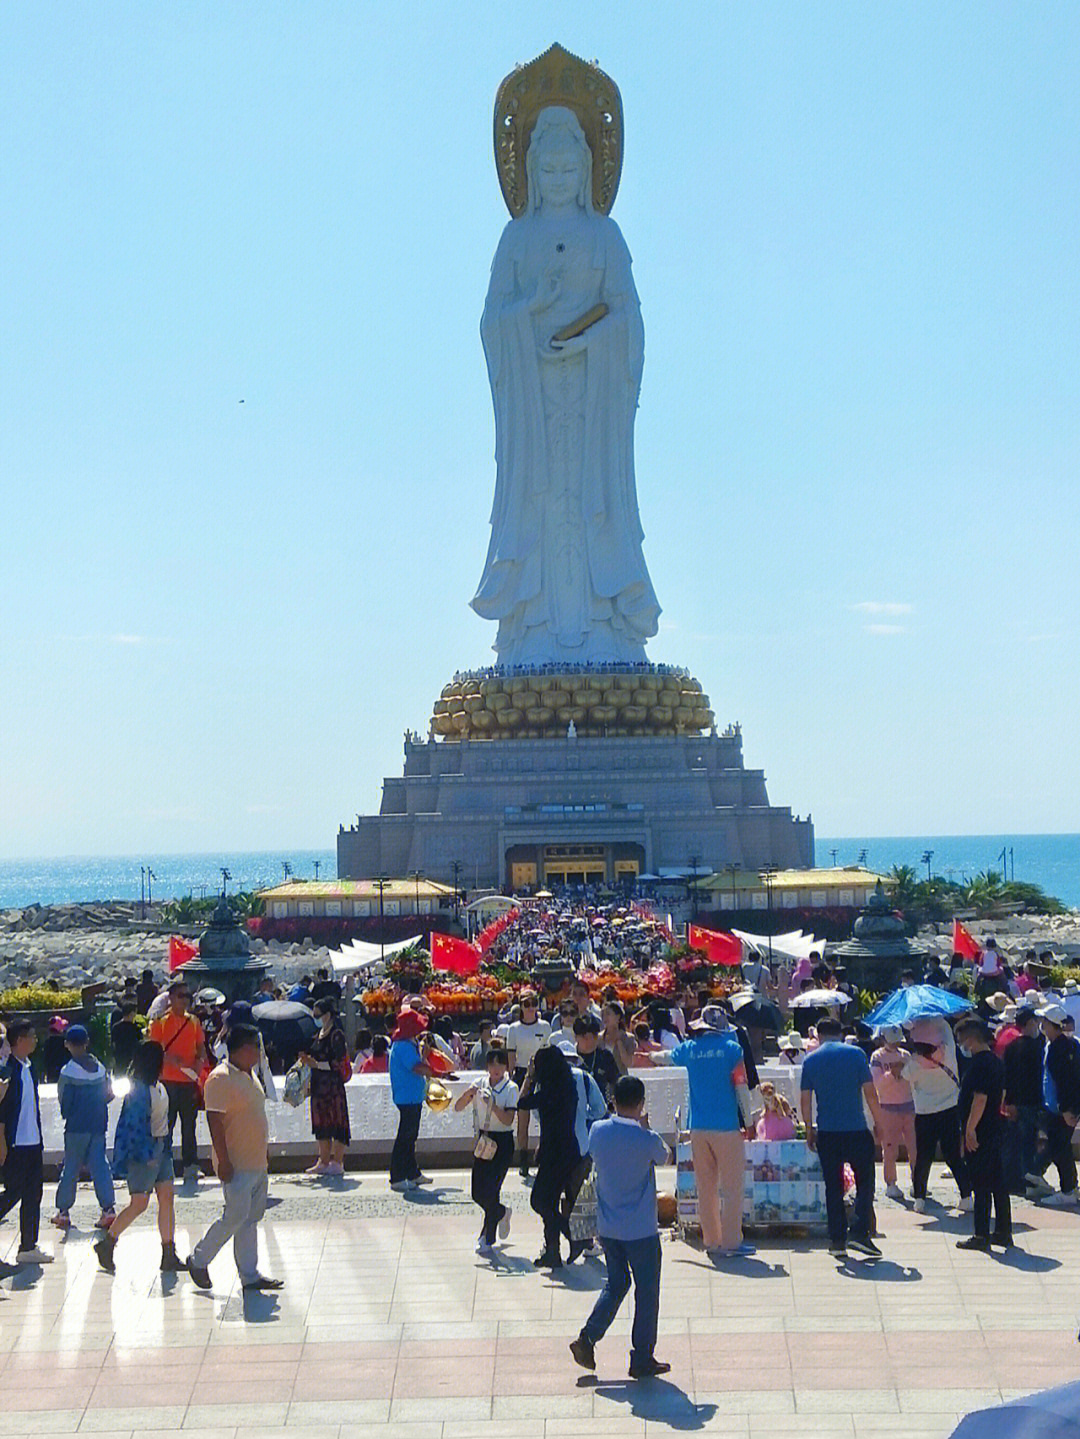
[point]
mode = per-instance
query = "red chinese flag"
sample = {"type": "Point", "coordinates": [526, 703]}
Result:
{"type": "Point", "coordinates": [963, 943]}
{"type": "Point", "coordinates": [721, 948]}
{"type": "Point", "coordinates": [180, 951]}
{"type": "Point", "coordinates": [455, 955]}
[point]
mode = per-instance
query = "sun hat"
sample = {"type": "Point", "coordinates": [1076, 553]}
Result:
{"type": "Point", "coordinates": [997, 1002]}
{"type": "Point", "coordinates": [793, 1041]}
{"type": "Point", "coordinates": [1054, 1014]}
{"type": "Point", "coordinates": [409, 1024]}
{"type": "Point", "coordinates": [712, 1017]}
{"type": "Point", "coordinates": [891, 1034]}
{"type": "Point", "coordinates": [1071, 987]}
{"type": "Point", "coordinates": [58, 1024]}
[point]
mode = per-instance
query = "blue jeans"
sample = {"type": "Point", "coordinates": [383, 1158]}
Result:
{"type": "Point", "coordinates": [1021, 1145]}
{"type": "Point", "coordinates": [245, 1204]}
{"type": "Point", "coordinates": [88, 1149]}
{"type": "Point", "coordinates": [626, 1257]}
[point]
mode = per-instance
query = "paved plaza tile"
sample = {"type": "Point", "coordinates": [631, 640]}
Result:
{"type": "Point", "coordinates": [390, 1327]}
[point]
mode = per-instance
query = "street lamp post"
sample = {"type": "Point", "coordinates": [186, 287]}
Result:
{"type": "Point", "coordinates": [225, 877]}
{"type": "Point", "coordinates": [150, 877]}
{"type": "Point", "coordinates": [767, 875]}
{"type": "Point", "coordinates": [142, 891]}
{"type": "Point", "coordinates": [695, 859]}
{"type": "Point", "coordinates": [380, 884]}
{"type": "Point", "coordinates": [286, 870]}
{"type": "Point", "coordinates": [416, 877]}
{"type": "Point", "coordinates": [456, 867]}
{"type": "Point", "coordinates": [733, 870]}
{"type": "Point", "coordinates": [317, 863]}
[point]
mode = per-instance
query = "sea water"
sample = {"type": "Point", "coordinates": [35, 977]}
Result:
{"type": "Point", "coordinates": [1049, 860]}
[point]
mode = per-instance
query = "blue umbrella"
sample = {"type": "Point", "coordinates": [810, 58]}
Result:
{"type": "Point", "coordinates": [917, 1001]}
{"type": "Point", "coordinates": [1054, 1414]}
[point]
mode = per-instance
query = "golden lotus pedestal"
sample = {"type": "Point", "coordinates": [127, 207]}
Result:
{"type": "Point", "coordinates": [602, 703]}
{"type": "Point", "coordinates": [562, 776]}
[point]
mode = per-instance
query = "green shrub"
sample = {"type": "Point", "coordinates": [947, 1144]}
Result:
{"type": "Point", "coordinates": [38, 996]}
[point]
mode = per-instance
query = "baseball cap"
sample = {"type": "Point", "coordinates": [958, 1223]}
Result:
{"type": "Point", "coordinates": [77, 1034]}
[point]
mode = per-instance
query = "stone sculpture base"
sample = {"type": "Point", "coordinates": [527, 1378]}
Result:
{"type": "Point", "coordinates": [523, 813]}
{"type": "Point", "coordinates": [237, 979]}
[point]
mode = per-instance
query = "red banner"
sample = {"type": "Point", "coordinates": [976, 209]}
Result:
{"type": "Point", "coordinates": [963, 943]}
{"type": "Point", "coordinates": [490, 933]}
{"type": "Point", "coordinates": [455, 955]}
{"type": "Point", "coordinates": [721, 948]}
{"type": "Point", "coordinates": [180, 951]}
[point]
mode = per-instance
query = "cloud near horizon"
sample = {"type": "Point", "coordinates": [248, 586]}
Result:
{"type": "Point", "coordinates": [885, 629]}
{"type": "Point", "coordinates": [883, 607]}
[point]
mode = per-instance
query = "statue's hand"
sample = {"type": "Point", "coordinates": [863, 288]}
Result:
{"type": "Point", "coordinates": [576, 346]}
{"type": "Point", "coordinates": [548, 290]}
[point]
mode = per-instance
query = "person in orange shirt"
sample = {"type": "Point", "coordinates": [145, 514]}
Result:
{"type": "Point", "coordinates": [181, 1037]}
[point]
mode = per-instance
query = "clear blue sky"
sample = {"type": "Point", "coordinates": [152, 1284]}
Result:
{"type": "Point", "coordinates": [855, 231]}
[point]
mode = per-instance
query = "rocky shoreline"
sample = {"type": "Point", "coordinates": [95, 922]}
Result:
{"type": "Point", "coordinates": [80, 944]}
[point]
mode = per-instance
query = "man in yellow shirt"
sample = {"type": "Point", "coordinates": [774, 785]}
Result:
{"type": "Point", "coordinates": [236, 1114]}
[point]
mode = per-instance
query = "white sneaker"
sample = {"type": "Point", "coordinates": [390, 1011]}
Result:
{"type": "Point", "coordinates": [919, 1206]}
{"type": "Point", "coordinates": [967, 1204]}
{"type": "Point", "coordinates": [484, 1248]}
{"type": "Point", "coordinates": [1038, 1184]}
{"type": "Point", "coordinates": [504, 1224]}
{"type": "Point", "coordinates": [893, 1191]}
{"type": "Point", "coordinates": [33, 1256]}
{"type": "Point", "coordinates": [400, 1186]}
{"type": "Point", "coordinates": [421, 1179]}
{"type": "Point", "coordinates": [1061, 1201]}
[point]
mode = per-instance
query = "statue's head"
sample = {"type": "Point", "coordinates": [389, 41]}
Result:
{"type": "Point", "coordinates": [559, 162]}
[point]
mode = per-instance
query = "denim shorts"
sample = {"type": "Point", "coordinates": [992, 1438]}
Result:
{"type": "Point", "coordinates": [158, 1169]}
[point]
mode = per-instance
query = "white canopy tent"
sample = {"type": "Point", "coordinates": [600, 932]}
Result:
{"type": "Point", "coordinates": [358, 956]}
{"type": "Point", "coordinates": [795, 945]}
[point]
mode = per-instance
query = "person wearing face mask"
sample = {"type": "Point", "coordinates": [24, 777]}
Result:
{"type": "Point", "coordinates": [982, 1089]}
{"type": "Point", "coordinates": [327, 1056]}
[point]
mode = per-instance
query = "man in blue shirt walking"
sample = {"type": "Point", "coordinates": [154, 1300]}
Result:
{"type": "Point", "coordinates": [625, 1153]}
{"type": "Point", "coordinates": [838, 1076]}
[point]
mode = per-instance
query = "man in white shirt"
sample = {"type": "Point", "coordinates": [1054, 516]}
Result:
{"type": "Point", "coordinates": [523, 1038]}
{"type": "Point", "coordinates": [21, 1147]}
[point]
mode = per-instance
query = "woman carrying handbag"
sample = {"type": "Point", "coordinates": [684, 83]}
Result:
{"type": "Point", "coordinates": [496, 1100]}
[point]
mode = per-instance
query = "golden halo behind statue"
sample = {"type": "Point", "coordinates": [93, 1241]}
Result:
{"type": "Point", "coordinates": [558, 78]}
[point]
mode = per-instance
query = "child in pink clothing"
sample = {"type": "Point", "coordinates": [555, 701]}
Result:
{"type": "Point", "coordinates": [778, 1121]}
{"type": "Point", "coordinates": [897, 1105]}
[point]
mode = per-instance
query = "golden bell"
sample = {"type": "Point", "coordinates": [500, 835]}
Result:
{"type": "Point", "coordinates": [438, 1097]}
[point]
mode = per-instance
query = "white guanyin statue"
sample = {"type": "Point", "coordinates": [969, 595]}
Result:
{"type": "Point", "coordinates": [565, 575]}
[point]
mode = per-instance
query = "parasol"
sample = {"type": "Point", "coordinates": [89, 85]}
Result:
{"type": "Point", "coordinates": [820, 999]}
{"type": "Point", "coordinates": [755, 1012]}
{"type": "Point", "coordinates": [1053, 1414]}
{"type": "Point", "coordinates": [285, 1026]}
{"type": "Point", "coordinates": [916, 1001]}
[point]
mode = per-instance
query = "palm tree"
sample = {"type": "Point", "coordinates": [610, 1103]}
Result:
{"type": "Point", "coordinates": [985, 891]}
{"type": "Point", "coordinates": [903, 886]}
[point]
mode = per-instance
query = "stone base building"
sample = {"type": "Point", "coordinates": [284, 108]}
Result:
{"type": "Point", "coordinates": [523, 813]}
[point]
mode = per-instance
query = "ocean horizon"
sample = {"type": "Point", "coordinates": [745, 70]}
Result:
{"type": "Point", "coordinates": [1049, 860]}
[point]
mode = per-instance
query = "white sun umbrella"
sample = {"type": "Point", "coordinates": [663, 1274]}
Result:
{"type": "Point", "coordinates": [820, 999]}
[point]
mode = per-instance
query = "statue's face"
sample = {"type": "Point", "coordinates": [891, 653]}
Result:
{"type": "Point", "coordinates": [559, 173]}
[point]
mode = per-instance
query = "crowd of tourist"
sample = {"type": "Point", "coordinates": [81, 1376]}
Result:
{"type": "Point", "coordinates": [994, 1091]}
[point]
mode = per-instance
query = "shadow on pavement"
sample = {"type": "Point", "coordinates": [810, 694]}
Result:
{"type": "Point", "coordinates": [886, 1270]}
{"type": "Point", "coordinates": [654, 1399]}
